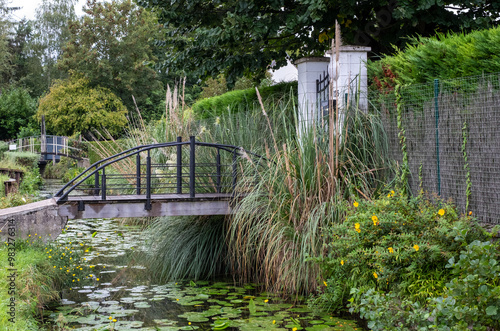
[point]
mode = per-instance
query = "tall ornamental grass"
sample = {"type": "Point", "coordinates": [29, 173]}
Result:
{"type": "Point", "coordinates": [279, 225]}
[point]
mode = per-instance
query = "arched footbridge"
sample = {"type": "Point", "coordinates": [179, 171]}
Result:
{"type": "Point", "coordinates": [167, 179]}
{"type": "Point", "coordinates": [179, 178]}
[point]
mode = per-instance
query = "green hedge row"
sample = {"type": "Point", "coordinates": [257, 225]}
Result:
{"type": "Point", "coordinates": [240, 100]}
{"type": "Point", "coordinates": [444, 56]}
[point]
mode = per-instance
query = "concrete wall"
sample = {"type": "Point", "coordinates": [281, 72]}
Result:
{"type": "Point", "coordinates": [309, 69]}
{"type": "Point", "coordinates": [350, 76]}
{"type": "Point", "coordinates": [349, 79]}
{"type": "Point", "coordinates": [40, 218]}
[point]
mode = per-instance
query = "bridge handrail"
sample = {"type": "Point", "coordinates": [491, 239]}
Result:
{"type": "Point", "coordinates": [102, 164]}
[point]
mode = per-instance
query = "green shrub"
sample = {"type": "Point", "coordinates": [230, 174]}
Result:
{"type": "Point", "coordinates": [72, 173]}
{"type": "Point", "coordinates": [31, 182]}
{"type": "Point", "coordinates": [25, 159]}
{"type": "Point", "coordinates": [15, 199]}
{"type": "Point", "coordinates": [4, 146]}
{"type": "Point", "coordinates": [58, 170]}
{"type": "Point", "coordinates": [442, 56]}
{"type": "Point", "coordinates": [394, 244]}
{"type": "Point", "coordinates": [3, 178]}
{"type": "Point", "coordinates": [239, 100]}
{"type": "Point", "coordinates": [471, 300]}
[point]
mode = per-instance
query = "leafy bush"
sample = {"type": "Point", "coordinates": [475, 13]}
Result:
{"type": "Point", "coordinates": [15, 199]}
{"type": "Point", "coordinates": [17, 108]}
{"type": "Point", "coordinates": [31, 182]}
{"type": "Point", "coordinates": [239, 99]}
{"type": "Point", "coordinates": [4, 146]}
{"type": "Point", "coordinates": [443, 56]}
{"type": "Point", "coordinates": [471, 300]}
{"type": "Point", "coordinates": [24, 159]}
{"type": "Point", "coordinates": [394, 244]}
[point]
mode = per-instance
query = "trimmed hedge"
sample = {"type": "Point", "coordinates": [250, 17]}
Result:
{"type": "Point", "coordinates": [444, 56]}
{"type": "Point", "coordinates": [239, 100]}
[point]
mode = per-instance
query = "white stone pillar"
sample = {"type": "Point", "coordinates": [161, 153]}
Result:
{"type": "Point", "coordinates": [351, 80]}
{"type": "Point", "coordinates": [309, 69]}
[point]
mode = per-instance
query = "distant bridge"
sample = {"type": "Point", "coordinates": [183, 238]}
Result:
{"type": "Point", "coordinates": [167, 179]}
{"type": "Point", "coordinates": [50, 147]}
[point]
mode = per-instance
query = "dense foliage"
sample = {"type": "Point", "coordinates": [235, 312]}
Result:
{"type": "Point", "coordinates": [111, 46]}
{"type": "Point", "coordinates": [17, 108]}
{"type": "Point", "coordinates": [395, 257]}
{"type": "Point", "coordinates": [235, 37]}
{"type": "Point", "coordinates": [218, 105]}
{"type": "Point", "coordinates": [443, 56]}
{"type": "Point", "coordinates": [73, 106]}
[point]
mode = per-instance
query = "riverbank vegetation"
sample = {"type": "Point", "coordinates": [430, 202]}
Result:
{"type": "Point", "coordinates": [40, 272]}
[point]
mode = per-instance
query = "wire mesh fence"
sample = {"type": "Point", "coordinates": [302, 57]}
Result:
{"type": "Point", "coordinates": [453, 140]}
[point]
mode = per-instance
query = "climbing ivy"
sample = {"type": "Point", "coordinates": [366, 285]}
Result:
{"type": "Point", "coordinates": [402, 140]}
{"type": "Point", "coordinates": [466, 167]}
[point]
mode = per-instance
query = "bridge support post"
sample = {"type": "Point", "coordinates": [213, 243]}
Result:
{"type": "Point", "coordinates": [235, 171]}
{"type": "Point", "coordinates": [148, 182]}
{"type": "Point", "coordinates": [218, 180]}
{"type": "Point", "coordinates": [179, 166]}
{"type": "Point", "coordinates": [192, 169]}
{"type": "Point", "coordinates": [138, 173]}
{"type": "Point", "coordinates": [96, 182]}
{"type": "Point", "coordinates": [103, 190]}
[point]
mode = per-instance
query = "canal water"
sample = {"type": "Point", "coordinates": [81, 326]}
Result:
{"type": "Point", "coordinates": [119, 294]}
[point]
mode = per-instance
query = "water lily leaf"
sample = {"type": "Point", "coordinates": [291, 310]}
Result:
{"type": "Point", "coordinates": [251, 307]}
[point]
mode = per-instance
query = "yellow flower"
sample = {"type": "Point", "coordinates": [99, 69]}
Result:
{"type": "Point", "coordinates": [375, 220]}
{"type": "Point", "coordinates": [294, 329]}
{"type": "Point", "coordinates": [189, 323]}
{"type": "Point", "coordinates": [358, 230]}
{"type": "Point", "coordinates": [375, 275]}
{"type": "Point", "coordinates": [110, 317]}
{"type": "Point", "coordinates": [390, 250]}
{"type": "Point", "coordinates": [415, 247]}
{"type": "Point", "coordinates": [342, 262]}
{"type": "Point", "coordinates": [266, 301]}
{"type": "Point", "coordinates": [114, 320]}
{"type": "Point", "coordinates": [356, 225]}
{"type": "Point", "coordinates": [392, 192]}
{"type": "Point", "coordinates": [356, 204]}
{"type": "Point", "coordinates": [97, 279]}
{"type": "Point", "coordinates": [325, 283]}
{"type": "Point", "coordinates": [441, 212]}
{"type": "Point", "coordinates": [274, 321]}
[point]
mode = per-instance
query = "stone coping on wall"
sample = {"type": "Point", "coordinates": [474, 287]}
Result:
{"type": "Point", "coordinates": [312, 59]}
{"type": "Point", "coordinates": [351, 49]}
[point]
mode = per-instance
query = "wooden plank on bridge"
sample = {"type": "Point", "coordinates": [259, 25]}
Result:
{"type": "Point", "coordinates": [134, 206]}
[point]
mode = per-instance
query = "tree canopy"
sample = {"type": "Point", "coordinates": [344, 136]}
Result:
{"type": "Point", "coordinates": [73, 106]}
{"type": "Point", "coordinates": [237, 37]}
{"type": "Point", "coordinates": [111, 46]}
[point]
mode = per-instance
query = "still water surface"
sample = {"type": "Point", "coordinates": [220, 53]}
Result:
{"type": "Point", "coordinates": [119, 293]}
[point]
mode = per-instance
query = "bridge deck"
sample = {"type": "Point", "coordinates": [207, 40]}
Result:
{"type": "Point", "coordinates": [142, 197]}
{"type": "Point", "coordinates": [79, 207]}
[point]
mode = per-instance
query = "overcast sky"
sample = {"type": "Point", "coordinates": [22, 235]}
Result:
{"type": "Point", "coordinates": [29, 6]}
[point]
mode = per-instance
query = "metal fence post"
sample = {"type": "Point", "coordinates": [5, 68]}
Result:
{"type": "Point", "coordinates": [179, 165]}
{"type": "Point", "coordinates": [192, 169]}
{"type": "Point", "coordinates": [436, 115]}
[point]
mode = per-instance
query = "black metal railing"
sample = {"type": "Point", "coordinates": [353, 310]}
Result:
{"type": "Point", "coordinates": [322, 96]}
{"type": "Point", "coordinates": [218, 169]}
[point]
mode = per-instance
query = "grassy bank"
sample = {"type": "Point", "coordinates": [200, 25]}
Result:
{"type": "Point", "coordinates": [40, 272]}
